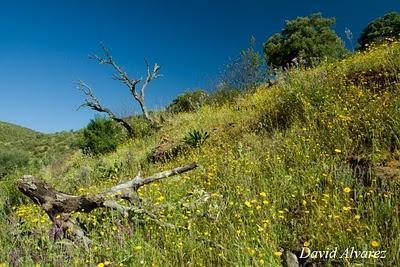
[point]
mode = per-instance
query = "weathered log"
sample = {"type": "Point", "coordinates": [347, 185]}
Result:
{"type": "Point", "coordinates": [59, 205]}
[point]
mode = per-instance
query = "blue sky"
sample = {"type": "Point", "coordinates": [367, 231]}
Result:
{"type": "Point", "coordinates": [44, 47]}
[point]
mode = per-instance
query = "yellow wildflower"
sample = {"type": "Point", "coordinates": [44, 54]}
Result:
{"type": "Point", "coordinates": [278, 253]}
{"type": "Point", "coordinates": [347, 189]}
{"type": "Point", "coordinates": [375, 244]}
{"type": "Point", "coordinates": [346, 208]}
{"type": "Point", "coordinates": [248, 204]}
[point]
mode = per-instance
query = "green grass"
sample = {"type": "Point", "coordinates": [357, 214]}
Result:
{"type": "Point", "coordinates": [276, 172]}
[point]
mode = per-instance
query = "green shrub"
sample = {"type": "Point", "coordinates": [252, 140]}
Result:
{"type": "Point", "coordinates": [246, 71]}
{"type": "Point", "coordinates": [189, 101]}
{"type": "Point", "coordinates": [141, 126]}
{"type": "Point", "coordinates": [100, 136]}
{"type": "Point", "coordinates": [10, 160]}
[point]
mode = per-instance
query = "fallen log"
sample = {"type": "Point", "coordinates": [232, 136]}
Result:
{"type": "Point", "coordinates": [59, 206]}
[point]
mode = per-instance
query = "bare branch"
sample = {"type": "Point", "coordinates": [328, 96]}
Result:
{"type": "Point", "coordinates": [151, 75]}
{"type": "Point", "coordinates": [122, 76]}
{"type": "Point", "coordinates": [138, 181]}
{"type": "Point", "coordinates": [92, 102]}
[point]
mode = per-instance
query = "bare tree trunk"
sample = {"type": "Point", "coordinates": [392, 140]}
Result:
{"type": "Point", "coordinates": [122, 76]}
{"type": "Point", "coordinates": [59, 205]}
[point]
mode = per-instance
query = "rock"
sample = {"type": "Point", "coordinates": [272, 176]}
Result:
{"type": "Point", "coordinates": [166, 151]}
{"type": "Point", "coordinates": [291, 259]}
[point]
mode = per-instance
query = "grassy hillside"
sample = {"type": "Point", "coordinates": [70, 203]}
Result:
{"type": "Point", "coordinates": [311, 161]}
{"type": "Point", "coordinates": [43, 147]}
{"type": "Point", "coordinates": [11, 133]}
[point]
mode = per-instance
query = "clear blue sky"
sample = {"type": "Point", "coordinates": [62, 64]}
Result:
{"type": "Point", "coordinates": [44, 47]}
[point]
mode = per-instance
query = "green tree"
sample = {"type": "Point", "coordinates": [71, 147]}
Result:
{"type": "Point", "coordinates": [380, 29]}
{"type": "Point", "coordinates": [100, 136]}
{"type": "Point", "coordinates": [304, 40]}
{"type": "Point", "coordinates": [189, 101]}
{"type": "Point", "coordinates": [245, 71]}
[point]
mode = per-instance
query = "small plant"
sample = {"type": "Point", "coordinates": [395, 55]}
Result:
{"type": "Point", "coordinates": [111, 171]}
{"type": "Point", "coordinates": [196, 138]}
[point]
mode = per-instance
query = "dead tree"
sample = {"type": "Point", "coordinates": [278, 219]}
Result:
{"type": "Point", "coordinates": [120, 75]}
{"type": "Point", "coordinates": [59, 206]}
{"type": "Point", "coordinates": [92, 102]}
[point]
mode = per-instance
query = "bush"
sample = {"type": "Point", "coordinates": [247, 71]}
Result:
{"type": "Point", "coordinates": [380, 30]}
{"type": "Point", "coordinates": [100, 136]}
{"type": "Point", "coordinates": [141, 126]}
{"type": "Point", "coordinates": [189, 101]}
{"type": "Point", "coordinates": [245, 72]}
{"type": "Point", "coordinates": [10, 160]}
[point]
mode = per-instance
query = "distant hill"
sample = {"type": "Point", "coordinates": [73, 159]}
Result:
{"type": "Point", "coordinates": [11, 133]}
{"type": "Point", "coordinates": [38, 145]}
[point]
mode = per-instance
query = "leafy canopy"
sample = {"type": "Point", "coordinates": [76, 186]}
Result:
{"type": "Point", "coordinates": [188, 101]}
{"type": "Point", "coordinates": [305, 40]}
{"type": "Point", "coordinates": [246, 71]}
{"type": "Point", "coordinates": [380, 29]}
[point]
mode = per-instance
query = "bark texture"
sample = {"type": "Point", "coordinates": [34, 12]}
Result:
{"type": "Point", "coordinates": [59, 206]}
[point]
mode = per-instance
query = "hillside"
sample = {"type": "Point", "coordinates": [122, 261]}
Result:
{"type": "Point", "coordinates": [21, 147]}
{"type": "Point", "coordinates": [11, 133]}
{"type": "Point", "coordinates": [311, 161]}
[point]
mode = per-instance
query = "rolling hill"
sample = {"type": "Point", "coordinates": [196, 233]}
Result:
{"type": "Point", "coordinates": [38, 147]}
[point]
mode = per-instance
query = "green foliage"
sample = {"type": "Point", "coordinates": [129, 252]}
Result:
{"type": "Point", "coordinates": [246, 71]}
{"type": "Point", "coordinates": [45, 148]}
{"type": "Point", "coordinates": [141, 126]}
{"type": "Point", "coordinates": [100, 136]}
{"type": "Point", "coordinates": [223, 95]}
{"type": "Point", "coordinates": [304, 40]}
{"type": "Point", "coordinates": [380, 29]}
{"type": "Point", "coordinates": [11, 160]}
{"type": "Point", "coordinates": [326, 175]}
{"type": "Point", "coordinates": [196, 138]}
{"type": "Point", "coordinates": [189, 101]}
{"type": "Point", "coordinates": [111, 171]}
{"type": "Point", "coordinates": [10, 133]}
